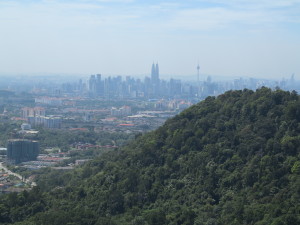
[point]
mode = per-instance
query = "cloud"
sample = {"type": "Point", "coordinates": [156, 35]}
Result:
{"type": "Point", "coordinates": [158, 15]}
{"type": "Point", "coordinates": [214, 18]}
{"type": "Point", "coordinates": [256, 3]}
{"type": "Point", "coordinates": [234, 13]}
{"type": "Point", "coordinates": [71, 35]}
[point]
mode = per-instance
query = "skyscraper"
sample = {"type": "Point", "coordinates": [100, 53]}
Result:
{"type": "Point", "coordinates": [95, 85]}
{"type": "Point", "coordinates": [198, 81]}
{"type": "Point", "coordinates": [155, 79]}
{"type": "Point", "coordinates": [155, 73]}
{"type": "Point", "coordinates": [92, 84]}
{"type": "Point", "coordinates": [99, 85]}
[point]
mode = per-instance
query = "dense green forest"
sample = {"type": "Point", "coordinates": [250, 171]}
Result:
{"type": "Point", "coordinates": [63, 139]}
{"type": "Point", "coordinates": [231, 159]}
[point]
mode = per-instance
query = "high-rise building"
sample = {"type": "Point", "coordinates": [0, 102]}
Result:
{"type": "Point", "coordinates": [45, 121]}
{"type": "Point", "coordinates": [21, 150]}
{"type": "Point", "coordinates": [96, 85]}
{"type": "Point", "coordinates": [147, 86]}
{"type": "Point", "coordinates": [175, 87]}
{"type": "Point", "coordinates": [29, 112]}
{"type": "Point", "coordinates": [155, 73]}
{"type": "Point", "coordinates": [92, 84]}
{"type": "Point", "coordinates": [99, 86]}
{"type": "Point", "coordinates": [155, 80]}
{"type": "Point", "coordinates": [198, 80]}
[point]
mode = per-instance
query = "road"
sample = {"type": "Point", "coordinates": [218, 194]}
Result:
{"type": "Point", "coordinates": [16, 175]}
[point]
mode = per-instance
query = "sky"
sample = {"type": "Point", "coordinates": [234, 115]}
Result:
{"type": "Point", "coordinates": [236, 38]}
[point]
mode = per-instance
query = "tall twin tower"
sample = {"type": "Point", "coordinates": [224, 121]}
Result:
{"type": "Point", "coordinates": [155, 74]}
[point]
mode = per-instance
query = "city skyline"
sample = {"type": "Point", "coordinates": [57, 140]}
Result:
{"type": "Point", "coordinates": [227, 38]}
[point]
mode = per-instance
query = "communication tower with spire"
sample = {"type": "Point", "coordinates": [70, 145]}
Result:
{"type": "Point", "coordinates": [198, 80]}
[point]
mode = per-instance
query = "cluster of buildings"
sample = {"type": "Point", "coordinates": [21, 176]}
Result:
{"type": "Point", "coordinates": [37, 117]}
{"type": "Point", "coordinates": [10, 183]}
{"type": "Point", "coordinates": [172, 104]}
{"type": "Point", "coordinates": [52, 101]}
{"type": "Point", "coordinates": [87, 146]}
{"type": "Point", "coordinates": [150, 87]}
{"type": "Point", "coordinates": [26, 153]}
{"type": "Point", "coordinates": [123, 111]}
{"type": "Point", "coordinates": [32, 112]}
{"type": "Point", "coordinates": [117, 87]}
{"type": "Point", "coordinates": [153, 87]}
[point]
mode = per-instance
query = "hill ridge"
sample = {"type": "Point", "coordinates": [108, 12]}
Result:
{"type": "Point", "coordinates": [231, 159]}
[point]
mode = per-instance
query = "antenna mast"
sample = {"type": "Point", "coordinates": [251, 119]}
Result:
{"type": "Point", "coordinates": [198, 81]}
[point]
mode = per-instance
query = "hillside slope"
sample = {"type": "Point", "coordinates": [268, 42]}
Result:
{"type": "Point", "coordinates": [234, 159]}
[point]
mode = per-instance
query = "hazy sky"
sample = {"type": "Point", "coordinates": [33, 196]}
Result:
{"type": "Point", "coordinates": [258, 38]}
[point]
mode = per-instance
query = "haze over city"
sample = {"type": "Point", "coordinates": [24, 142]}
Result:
{"type": "Point", "coordinates": [124, 37]}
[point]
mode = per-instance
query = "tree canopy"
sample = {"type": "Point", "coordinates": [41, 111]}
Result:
{"type": "Point", "coordinates": [232, 159]}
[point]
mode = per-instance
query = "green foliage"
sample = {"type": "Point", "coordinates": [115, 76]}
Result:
{"type": "Point", "coordinates": [63, 139]}
{"type": "Point", "coordinates": [233, 159]}
{"type": "Point", "coordinates": [296, 168]}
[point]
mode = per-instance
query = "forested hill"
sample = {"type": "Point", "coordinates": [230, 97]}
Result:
{"type": "Point", "coordinates": [234, 159]}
